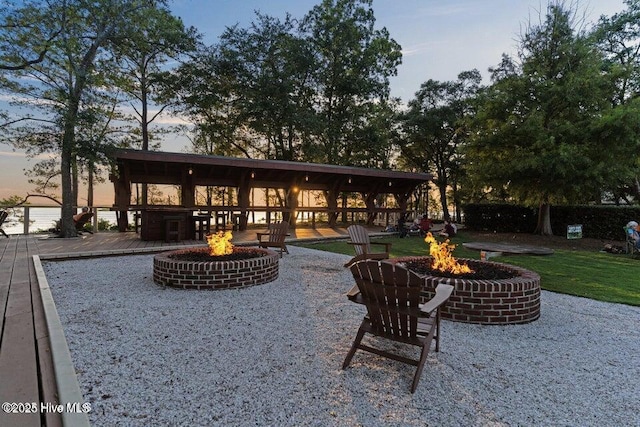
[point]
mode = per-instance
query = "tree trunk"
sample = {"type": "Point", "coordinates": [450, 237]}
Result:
{"type": "Point", "coordinates": [94, 219]}
{"type": "Point", "coordinates": [90, 186]}
{"type": "Point", "coordinates": [145, 138]}
{"type": "Point", "coordinates": [67, 226]}
{"type": "Point", "coordinates": [75, 181]}
{"type": "Point", "coordinates": [291, 203]}
{"type": "Point", "coordinates": [442, 189]}
{"type": "Point", "coordinates": [544, 220]}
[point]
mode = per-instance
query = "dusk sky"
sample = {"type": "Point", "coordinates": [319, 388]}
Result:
{"type": "Point", "coordinates": [439, 40]}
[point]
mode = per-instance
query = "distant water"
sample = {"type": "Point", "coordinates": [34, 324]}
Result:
{"type": "Point", "coordinates": [42, 219]}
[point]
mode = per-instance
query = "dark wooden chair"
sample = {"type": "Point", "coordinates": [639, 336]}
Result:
{"type": "Point", "coordinates": [391, 294]}
{"type": "Point", "coordinates": [362, 245]}
{"type": "Point", "coordinates": [274, 238]}
{"type": "Point", "coordinates": [3, 217]}
{"type": "Point", "coordinates": [81, 220]}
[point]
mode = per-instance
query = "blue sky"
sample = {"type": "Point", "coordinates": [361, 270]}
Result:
{"type": "Point", "coordinates": [439, 39]}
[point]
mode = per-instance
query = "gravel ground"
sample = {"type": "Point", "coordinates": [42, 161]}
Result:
{"type": "Point", "coordinates": [271, 355]}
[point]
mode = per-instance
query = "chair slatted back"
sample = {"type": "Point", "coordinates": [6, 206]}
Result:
{"type": "Point", "coordinates": [278, 232]}
{"type": "Point", "coordinates": [83, 219]}
{"type": "Point", "coordinates": [391, 295]}
{"type": "Point", "coordinates": [358, 234]}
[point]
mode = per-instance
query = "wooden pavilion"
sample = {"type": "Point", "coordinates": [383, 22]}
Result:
{"type": "Point", "coordinates": [191, 170]}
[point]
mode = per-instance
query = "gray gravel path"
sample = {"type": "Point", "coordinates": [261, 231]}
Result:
{"type": "Point", "coordinates": [271, 355]}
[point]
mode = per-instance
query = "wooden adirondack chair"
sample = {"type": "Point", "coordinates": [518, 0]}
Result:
{"type": "Point", "coordinates": [392, 294]}
{"type": "Point", "coordinates": [275, 237]}
{"type": "Point", "coordinates": [3, 217]}
{"type": "Point", "coordinates": [362, 245]}
{"type": "Point", "coordinates": [81, 220]}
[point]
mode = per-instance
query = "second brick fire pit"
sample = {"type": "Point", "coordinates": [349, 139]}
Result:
{"type": "Point", "coordinates": [489, 302]}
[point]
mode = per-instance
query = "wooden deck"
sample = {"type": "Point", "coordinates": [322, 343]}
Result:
{"type": "Point", "coordinates": [28, 347]}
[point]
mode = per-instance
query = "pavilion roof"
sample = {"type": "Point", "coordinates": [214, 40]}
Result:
{"type": "Point", "coordinates": [157, 167]}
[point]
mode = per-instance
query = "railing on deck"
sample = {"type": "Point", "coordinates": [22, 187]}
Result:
{"type": "Point", "coordinates": [45, 216]}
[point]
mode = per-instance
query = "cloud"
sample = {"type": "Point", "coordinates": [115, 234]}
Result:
{"type": "Point", "coordinates": [12, 154]}
{"type": "Point", "coordinates": [22, 155]}
{"type": "Point", "coordinates": [171, 120]}
{"type": "Point", "coordinates": [418, 48]}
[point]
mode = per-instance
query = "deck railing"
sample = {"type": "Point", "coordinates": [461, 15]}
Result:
{"type": "Point", "coordinates": [30, 219]}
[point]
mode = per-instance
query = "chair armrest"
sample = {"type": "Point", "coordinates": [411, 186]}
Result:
{"type": "Point", "coordinates": [353, 291]}
{"type": "Point", "coordinates": [349, 242]}
{"type": "Point", "coordinates": [443, 292]}
{"type": "Point", "coordinates": [354, 295]}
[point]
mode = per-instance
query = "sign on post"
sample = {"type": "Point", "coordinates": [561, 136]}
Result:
{"type": "Point", "coordinates": [574, 231]}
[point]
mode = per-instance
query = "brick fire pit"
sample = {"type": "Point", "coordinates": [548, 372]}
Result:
{"type": "Point", "coordinates": [490, 302]}
{"type": "Point", "coordinates": [215, 274]}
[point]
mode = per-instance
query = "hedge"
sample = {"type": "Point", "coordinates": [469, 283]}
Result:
{"type": "Point", "coordinates": [599, 222]}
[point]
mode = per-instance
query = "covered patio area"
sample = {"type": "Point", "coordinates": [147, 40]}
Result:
{"type": "Point", "coordinates": [281, 184]}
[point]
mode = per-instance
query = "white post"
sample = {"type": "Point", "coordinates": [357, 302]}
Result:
{"type": "Point", "coordinates": [26, 220]}
{"type": "Point", "coordinates": [95, 219]}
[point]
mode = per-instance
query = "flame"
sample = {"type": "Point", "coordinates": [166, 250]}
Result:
{"type": "Point", "coordinates": [443, 259]}
{"type": "Point", "coordinates": [220, 243]}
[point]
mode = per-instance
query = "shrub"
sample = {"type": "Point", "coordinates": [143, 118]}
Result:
{"type": "Point", "coordinates": [599, 222]}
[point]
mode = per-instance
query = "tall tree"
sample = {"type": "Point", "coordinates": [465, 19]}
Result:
{"type": "Point", "coordinates": [546, 129]}
{"type": "Point", "coordinates": [433, 129]}
{"type": "Point", "coordinates": [204, 90]}
{"type": "Point", "coordinates": [142, 60]}
{"type": "Point", "coordinates": [271, 69]}
{"type": "Point", "coordinates": [314, 92]}
{"type": "Point", "coordinates": [142, 64]}
{"type": "Point", "coordinates": [619, 38]}
{"type": "Point", "coordinates": [74, 71]}
{"type": "Point", "coordinates": [353, 64]}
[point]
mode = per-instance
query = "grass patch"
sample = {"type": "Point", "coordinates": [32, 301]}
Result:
{"type": "Point", "coordinates": [590, 274]}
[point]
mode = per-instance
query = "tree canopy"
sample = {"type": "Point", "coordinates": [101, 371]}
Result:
{"type": "Point", "coordinates": [314, 90]}
{"type": "Point", "coordinates": [433, 130]}
{"type": "Point", "coordinates": [546, 129]}
{"type": "Point", "coordinates": [71, 85]}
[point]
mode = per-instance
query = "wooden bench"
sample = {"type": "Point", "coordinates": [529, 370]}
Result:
{"type": "Point", "coordinates": [493, 249]}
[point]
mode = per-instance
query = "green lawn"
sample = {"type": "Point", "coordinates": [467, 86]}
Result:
{"type": "Point", "coordinates": [589, 274]}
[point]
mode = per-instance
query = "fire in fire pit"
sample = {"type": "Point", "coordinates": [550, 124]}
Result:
{"type": "Point", "coordinates": [442, 258]}
{"type": "Point", "coordinates": [220, 243]}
